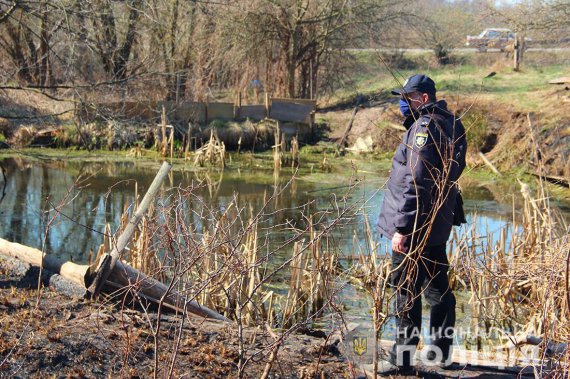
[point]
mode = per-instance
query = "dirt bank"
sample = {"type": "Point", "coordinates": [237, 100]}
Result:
{"type": "Point", "coordinates": [514, 140]}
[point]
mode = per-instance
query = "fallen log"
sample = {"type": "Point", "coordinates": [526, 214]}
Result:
{"type": "Point", "coordinates": [79, 274]}
{"type": "Point", "coordinates": [122, 274]}
{"type": "Point", "coordinates": [559, 180]}
{"type": "Point", "coordinates": [25, 275]}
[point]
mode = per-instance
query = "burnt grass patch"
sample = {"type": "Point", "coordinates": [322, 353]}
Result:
{"type": "Point", "coordinates": [54, 335]}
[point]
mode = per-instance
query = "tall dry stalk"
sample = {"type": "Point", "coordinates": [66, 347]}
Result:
{"type": "Point", "coordinates": [372, 269]}
{"type": "Point", "coordinates": [311, 283]}
{"type": "Point", "coordinates": [277, 150]}
{"type": "Point", "coordinates": [518, 279]}
{"type": "Point", "coordinates": [294, 152]}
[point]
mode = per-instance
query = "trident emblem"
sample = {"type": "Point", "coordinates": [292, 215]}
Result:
{"type": "Point", "coordinates": [359, 345]}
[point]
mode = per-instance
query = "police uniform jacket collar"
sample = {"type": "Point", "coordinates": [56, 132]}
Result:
{"type": "Point", "coordinates": [439, 107]}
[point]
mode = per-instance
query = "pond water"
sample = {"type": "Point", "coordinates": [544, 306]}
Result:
{"type": "Point", "coordinates": [93, 193]}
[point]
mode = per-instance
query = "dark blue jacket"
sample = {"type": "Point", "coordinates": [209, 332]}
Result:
{"type": "Point", "coordinates": [421, 193]}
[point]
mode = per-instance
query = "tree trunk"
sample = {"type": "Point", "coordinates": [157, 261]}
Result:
{"type": "Point", "coordinates": [122, 58]}
{"type": "Point", "coordinates": [15, 48]}
{"type": "Point", "coordinates": [518, 51]}
{"type": "Point", "coordinates": [123, 275]}
{"type": "Point", "coordinates": [43, 63]}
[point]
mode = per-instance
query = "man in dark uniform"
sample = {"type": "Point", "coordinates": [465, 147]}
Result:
{"type": "Point", "coordinates": [417, 215]}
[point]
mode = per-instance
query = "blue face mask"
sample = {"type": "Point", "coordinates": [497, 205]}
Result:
{"type": "Point", "coordinates": [405, 108]}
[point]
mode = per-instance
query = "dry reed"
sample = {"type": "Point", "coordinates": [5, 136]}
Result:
{"type": "Point", "coordinates": [213, 152]}
{"type": "Point", "coordinates": [518, 279]}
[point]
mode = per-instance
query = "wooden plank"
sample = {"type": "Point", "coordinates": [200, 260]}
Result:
{"type": "Point", "coordinates": [142, 109]}
{"type": "Point", "coordinates": [286, 110]}
{"type": "Point", "coordinates": [254, 112]}
{"type": "Point", "coordinates": [129, 109]}
{"type": "Point", "coordinates": [291, 112]}
{"type": "Point", "coordinates": [313, 103]}
{"type": "Point", "coordinates": [220, 111]}
{"type": "Point", "coordinates": [184, 112]}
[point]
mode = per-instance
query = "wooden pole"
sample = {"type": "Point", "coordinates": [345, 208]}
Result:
{"type": "Point", "coordinates": [238, 106]}
{"type": "Point", "coordinates": [164, 144]}
{"type": "Point", "coordinates": [171, 141]}
{"type": "Point", "coordinates": [107, 265]}
{"type": "Point", "coordinates": [489, 164]}
{"type": "Point", "coordinates": [188, 140]}
{"type": "Point", "coordinates": [518, 52]}
{"type": "Point", "coordinates": [277, 149]}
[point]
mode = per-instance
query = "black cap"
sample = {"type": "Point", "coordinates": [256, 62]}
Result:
{"type": "Point", "coordinates": [418, 82]}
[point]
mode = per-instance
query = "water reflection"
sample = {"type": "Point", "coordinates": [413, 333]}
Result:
{"type": "Point", "coordinates": [91, 194]}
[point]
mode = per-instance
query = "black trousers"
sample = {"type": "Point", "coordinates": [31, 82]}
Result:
{"type": "Point", "coordinates": [418, 274]}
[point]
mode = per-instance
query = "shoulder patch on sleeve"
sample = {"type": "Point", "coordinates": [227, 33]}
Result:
{"type": "Point", "coordinates": [420, 139]}
{"type": "Point", "coordinates": [425, 122]}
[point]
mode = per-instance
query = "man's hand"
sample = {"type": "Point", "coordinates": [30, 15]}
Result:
{"type": "Point", "coordinates": [398, 243]}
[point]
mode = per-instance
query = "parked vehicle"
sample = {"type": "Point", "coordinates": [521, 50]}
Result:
{"type": "Point", "coordinates": [492, 38]}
